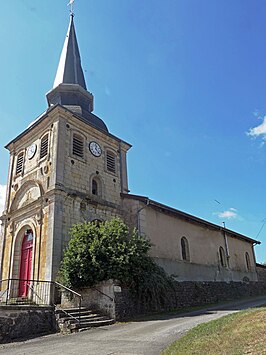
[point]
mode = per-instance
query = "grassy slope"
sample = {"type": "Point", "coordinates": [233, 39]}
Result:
{"type": "Point", "coordinates": [239, 333]}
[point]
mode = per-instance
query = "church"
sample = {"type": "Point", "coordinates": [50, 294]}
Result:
{"type": "Point", "coordinates": [66, 167]}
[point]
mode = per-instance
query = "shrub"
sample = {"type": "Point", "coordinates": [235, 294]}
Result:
{"type": "Point", "coordinates": [110, 251]}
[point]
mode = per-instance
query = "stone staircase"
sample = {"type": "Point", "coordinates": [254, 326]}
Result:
{"type": "Point", "coordinates": [73, 320]}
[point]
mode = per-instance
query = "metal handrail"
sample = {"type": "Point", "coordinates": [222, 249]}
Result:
{"type": "Point", "coordinates": [27, 280]}
{"type": "Point", "coordinates": [31, 287]}
{"type": "Point", "coordinates": [75, 293]}
{"type": "Point", "coordinates": [30, 284]}
{"type": "Point", "coordinates": [68, 289]}
{"type": "Point", "coordinates": [95, 288]}
{"type": "Point", "coordinates": [70, 315]}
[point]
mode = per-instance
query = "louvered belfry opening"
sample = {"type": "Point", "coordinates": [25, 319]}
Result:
{"type": "Point", "coordinates": [78, 146]}
{"type": "Point", "coordinates": [110, 162]}
{"type": "Point", "coordinates": [44, 146]}
{"type": "Point", "coordinates": [20, 161]}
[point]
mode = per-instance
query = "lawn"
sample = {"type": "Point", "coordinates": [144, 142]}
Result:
{"type": "Point", "coordinates": [236, 334]}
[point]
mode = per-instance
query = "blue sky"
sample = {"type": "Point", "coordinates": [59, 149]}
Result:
{"type": "Point", "coordinates": [183, 81]}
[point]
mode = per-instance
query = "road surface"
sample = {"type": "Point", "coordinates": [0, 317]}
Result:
{"type": "Point", "coordinates": [145, 337]}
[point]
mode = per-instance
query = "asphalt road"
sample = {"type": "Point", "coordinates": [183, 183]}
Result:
{"type": "Point", "coordinates": [147, 337]}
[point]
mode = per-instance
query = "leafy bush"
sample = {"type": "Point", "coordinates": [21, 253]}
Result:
{"type": "Point", "coordinates": [110, 251]}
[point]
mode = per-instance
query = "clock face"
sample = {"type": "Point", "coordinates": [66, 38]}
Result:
{"type": "Point", "coordinates": [95, 149]}
{"type": "Point", "coordinates": [31, 151]}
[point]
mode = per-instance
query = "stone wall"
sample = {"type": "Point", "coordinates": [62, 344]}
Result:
{"type": "Point", "coordinates": [261, 271]}
{"type": "Point", "coordinates": [187, 294]}
{"type": "Point", "coordinates": [101, 297]}
{"type": "Point", "coordinates": [25, 322]}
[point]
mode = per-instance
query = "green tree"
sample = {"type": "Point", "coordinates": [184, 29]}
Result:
{"type": "Point", "coordinates": [111, 251]}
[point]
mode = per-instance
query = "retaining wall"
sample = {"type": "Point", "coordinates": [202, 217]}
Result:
{"type": "Point", "coordinates": [25, 322]}
{"type": "Point", "coordinates": [261, 271]}
{"type": "Point", "coordinates": [187, 294]}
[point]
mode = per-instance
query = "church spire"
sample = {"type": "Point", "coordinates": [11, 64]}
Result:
{"type": "Point", "coordinates": [69, 69]}
{"type": "Point", "coordinates": [69, 89]}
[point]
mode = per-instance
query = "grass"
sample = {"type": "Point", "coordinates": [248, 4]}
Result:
{"type": "Point", "coordinates": [236, 334]}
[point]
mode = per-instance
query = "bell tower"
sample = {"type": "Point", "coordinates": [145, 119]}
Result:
{"type": "Point", "coordinates": [65, 168]}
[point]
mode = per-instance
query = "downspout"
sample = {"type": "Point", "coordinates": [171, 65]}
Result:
{"type": "Point", "coordinates": [254, 258]}
{"type": "Point", "coordinates": [226, 246]}
{"type": "Point", "coordinates": [138, 214]}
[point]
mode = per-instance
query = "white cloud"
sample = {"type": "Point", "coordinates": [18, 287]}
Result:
{"type": "Point", "coordinates": [231, 213]}
{"type": "Point", "coordinates": [2, 197]}
{"type": "Point", "coordinates": [259, 130]}
{"type": "Point", "coordinates": [227, 214]}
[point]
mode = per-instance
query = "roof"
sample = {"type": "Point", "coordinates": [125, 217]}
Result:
{"type": "Point", "coordinates": [69, 70]}
{"type": "Point", "coordinates": [261, 265]}
{"type": "Point", "coordinates": [184, 215]}
{"type": "Point", "coordinates": [52, 108]}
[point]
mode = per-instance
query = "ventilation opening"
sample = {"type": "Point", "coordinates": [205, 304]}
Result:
{"type": "Point", "coordinates": [20, 161]}
{"type": "Point", "coordinates": [78, 146]}
{"type": "Point", "coordinates": [110, 162]}
{"type": "Point", "coordinates": [44, 146]}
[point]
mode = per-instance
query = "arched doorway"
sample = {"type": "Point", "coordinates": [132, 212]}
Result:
{"type": "Point", "coordinates": [25, 263]}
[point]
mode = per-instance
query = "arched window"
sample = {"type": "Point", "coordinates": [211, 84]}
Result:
{"type": "Point", "coordinates": [248, 261]}
{"type": "Point", "coordinates": [222, 256]}
{"type": "Point", "coordinates": [94, 187]}
{"type": "Point", "coordinates": [185, 249]}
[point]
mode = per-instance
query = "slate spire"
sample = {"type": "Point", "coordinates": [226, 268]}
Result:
{"type": "Point", "coordinates": [69, 89]}
{"type": "Point", "coordinates": [69, 69]}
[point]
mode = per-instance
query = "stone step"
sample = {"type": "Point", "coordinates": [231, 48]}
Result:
{"type": "Point", "coordinates": [87, 325]}
{"type": "Point", "coordinates": [62, 314]}
{"type": "Point", "coordinates": [82, 318]}
{"type": "Point", "coordinates": [88, 319]}
{"type": "Point", "coordinates": [77, 309]}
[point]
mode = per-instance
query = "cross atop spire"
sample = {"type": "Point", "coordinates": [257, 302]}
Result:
{"type": "Point", "coordinates": [69, 69]}
{"type": "Point", "coordinates": [71, 3]}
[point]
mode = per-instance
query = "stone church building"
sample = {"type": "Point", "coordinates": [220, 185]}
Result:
{"type": "Point", "coordinates": [66, 167]}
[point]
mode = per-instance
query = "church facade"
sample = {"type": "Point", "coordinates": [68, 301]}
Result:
{"type": "Point", "coordinates": [66, 168]}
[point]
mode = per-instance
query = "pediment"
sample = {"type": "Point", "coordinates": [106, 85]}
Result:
{"type": "Point", "coordinates": [29, 192]}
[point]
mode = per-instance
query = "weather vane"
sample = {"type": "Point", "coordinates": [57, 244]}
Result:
{"type": "Point", "coordinates": [71, 2]}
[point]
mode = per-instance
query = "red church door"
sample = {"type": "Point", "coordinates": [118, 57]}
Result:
{"type": "Point", "coordinates": [26, 263]}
